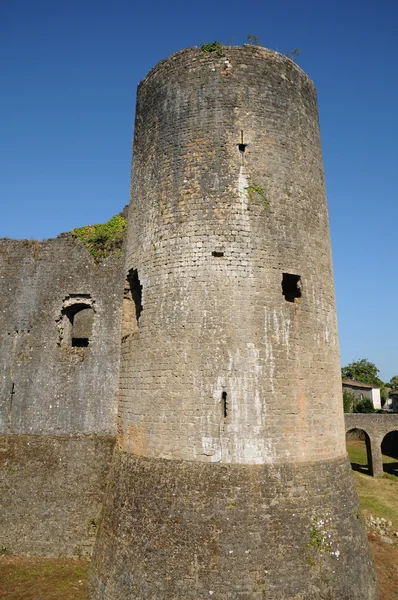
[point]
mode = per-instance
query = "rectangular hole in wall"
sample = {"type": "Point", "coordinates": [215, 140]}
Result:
{"type": "Point", "coordinates": [79, 342]}
{"type": "Point", "coordinates": [291, 286]}
{"type": "Point", "coordinates": [217, 253]}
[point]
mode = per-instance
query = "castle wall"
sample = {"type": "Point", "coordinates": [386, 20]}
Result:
{"type": "Point", "coordinates": [58, 392]}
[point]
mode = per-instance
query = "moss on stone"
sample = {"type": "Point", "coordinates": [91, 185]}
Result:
{"type": "Point", "coordinates": [253, 190]}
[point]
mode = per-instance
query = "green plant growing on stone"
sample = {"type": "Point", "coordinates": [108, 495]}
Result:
{"type": "Point", "coordinates": [318, 542]}
{"type": "Point", "coordinates": [293, 54]}
{"type": "Point", "coordinates": [316, 538]}
{"type": "Point", "coordinates": [212, 48]}
{"type": "Point", "coordinates": [103, 239]}
{"type": "Point", "coordinates": [254, 189]}
{"type": "Point", "coordinates": [253, 40]}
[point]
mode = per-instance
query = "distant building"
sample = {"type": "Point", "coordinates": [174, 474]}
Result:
{"type": "Point", "coordinates": [364, 390]}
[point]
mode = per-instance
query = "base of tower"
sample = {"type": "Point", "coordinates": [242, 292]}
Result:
{"type": "Point", "coordinates": [176, 530]}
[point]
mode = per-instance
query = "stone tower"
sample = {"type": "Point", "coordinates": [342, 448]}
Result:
{"type": "Point", "coordinates": [231, 479]}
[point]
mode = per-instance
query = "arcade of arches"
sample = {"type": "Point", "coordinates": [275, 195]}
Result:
{"type": "Point", "coordinates": [380, 433]}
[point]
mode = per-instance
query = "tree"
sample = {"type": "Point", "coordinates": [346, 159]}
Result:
{"type": "Point", "coordinates": [365, 371]}
{"type": "Point", "coordinates": [364, 406]}
{"type": "Point", "coordinates": [394, 383]}
{"type": "Point", "coordinates": [349, 401]}
{"type": "Point", "coordinates": [362, 370]}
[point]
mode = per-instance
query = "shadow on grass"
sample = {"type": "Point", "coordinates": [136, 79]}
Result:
{"type": "Point", "coordinates": [391, 468]}
{"type": "Point", "coordinates": [360, 468]}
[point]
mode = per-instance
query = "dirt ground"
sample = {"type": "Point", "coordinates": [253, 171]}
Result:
{"type": "Point", "coordinates": [385, 557]}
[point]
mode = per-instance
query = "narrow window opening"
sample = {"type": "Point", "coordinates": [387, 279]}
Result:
{"type": "Point", "coordinates": [224, 404]}
{"type": "Point", "coordinates": [132, 304]}
{"type": "Point", "coordinates": [136, 292]}
{"type": "Point", "coordinates": [291, 286]}
{"type": "Point", "coordinates": [242, 146]}
{"type": "Point", "coordinates": [218, 253]}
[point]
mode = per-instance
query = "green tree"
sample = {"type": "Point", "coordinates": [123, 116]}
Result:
{"type": "Point", "coordinates": [393, 383]}
{"type": "Point", "coordinates": [362, 370]}
{"type": "Point", "coordinates": [364, 406]}
{"type": "Point", "coordinates": [367, 372]}
{"type": "Point", "coordinates": [349, 401]}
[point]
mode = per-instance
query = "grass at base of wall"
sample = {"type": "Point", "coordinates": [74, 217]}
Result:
{"type": "Point", "coordinates": [377, 495]}
{"type": "Point", "coordinates": [23, 578]}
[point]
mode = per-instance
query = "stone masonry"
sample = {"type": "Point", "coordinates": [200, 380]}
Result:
{"type": "Point", "coordinates": [230, 478]}
{"type": "Point", "coordinates": [58, 396]}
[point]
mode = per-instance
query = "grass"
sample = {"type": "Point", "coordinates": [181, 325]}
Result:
{"type": "Point", "coordinates": [24, 578]}
{"type": "Point", "coordinates": [377, 496]}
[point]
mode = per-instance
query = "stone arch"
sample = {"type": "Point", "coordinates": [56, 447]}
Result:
{"type": "Point", "coordinates": [359, 434]}
{"type": "Point", "coordinates": [75, 323]}
{"type": "Point", "coordinates": [389, 450]}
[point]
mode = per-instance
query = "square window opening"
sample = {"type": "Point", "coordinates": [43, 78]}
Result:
{"type": "Point", "coordinates": [291, 287]}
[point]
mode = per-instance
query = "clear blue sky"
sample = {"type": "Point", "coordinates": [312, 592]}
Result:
{"type": "Point", "coordinates": [69, 71]}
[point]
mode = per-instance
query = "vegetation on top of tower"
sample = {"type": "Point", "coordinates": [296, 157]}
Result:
{"type": "Point", "coordinates": [253, 40]}
{"type": "Point", "coordinates": [103, 239]}
{"type": "Point", "coordinates": [293, 54]}
{"type": "Point", "coordinates": [212, 48]}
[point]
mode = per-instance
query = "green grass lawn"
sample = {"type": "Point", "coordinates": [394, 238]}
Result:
{"type": "Point", "coordinates": [377, 495]}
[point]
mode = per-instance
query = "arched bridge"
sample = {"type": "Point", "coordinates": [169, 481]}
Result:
{"type": "Point", "coordinates": [376, 427]}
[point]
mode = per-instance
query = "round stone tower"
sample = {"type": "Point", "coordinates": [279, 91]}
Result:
{"type": "Point", "coordinates": [231, 479]}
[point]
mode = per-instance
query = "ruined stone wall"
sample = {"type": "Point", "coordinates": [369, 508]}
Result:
{"type": "Point", "coordinates": [59, 361]}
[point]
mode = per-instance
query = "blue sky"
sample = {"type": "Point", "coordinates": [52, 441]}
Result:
{"type": "Point", "coordinates": [69, 71]}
